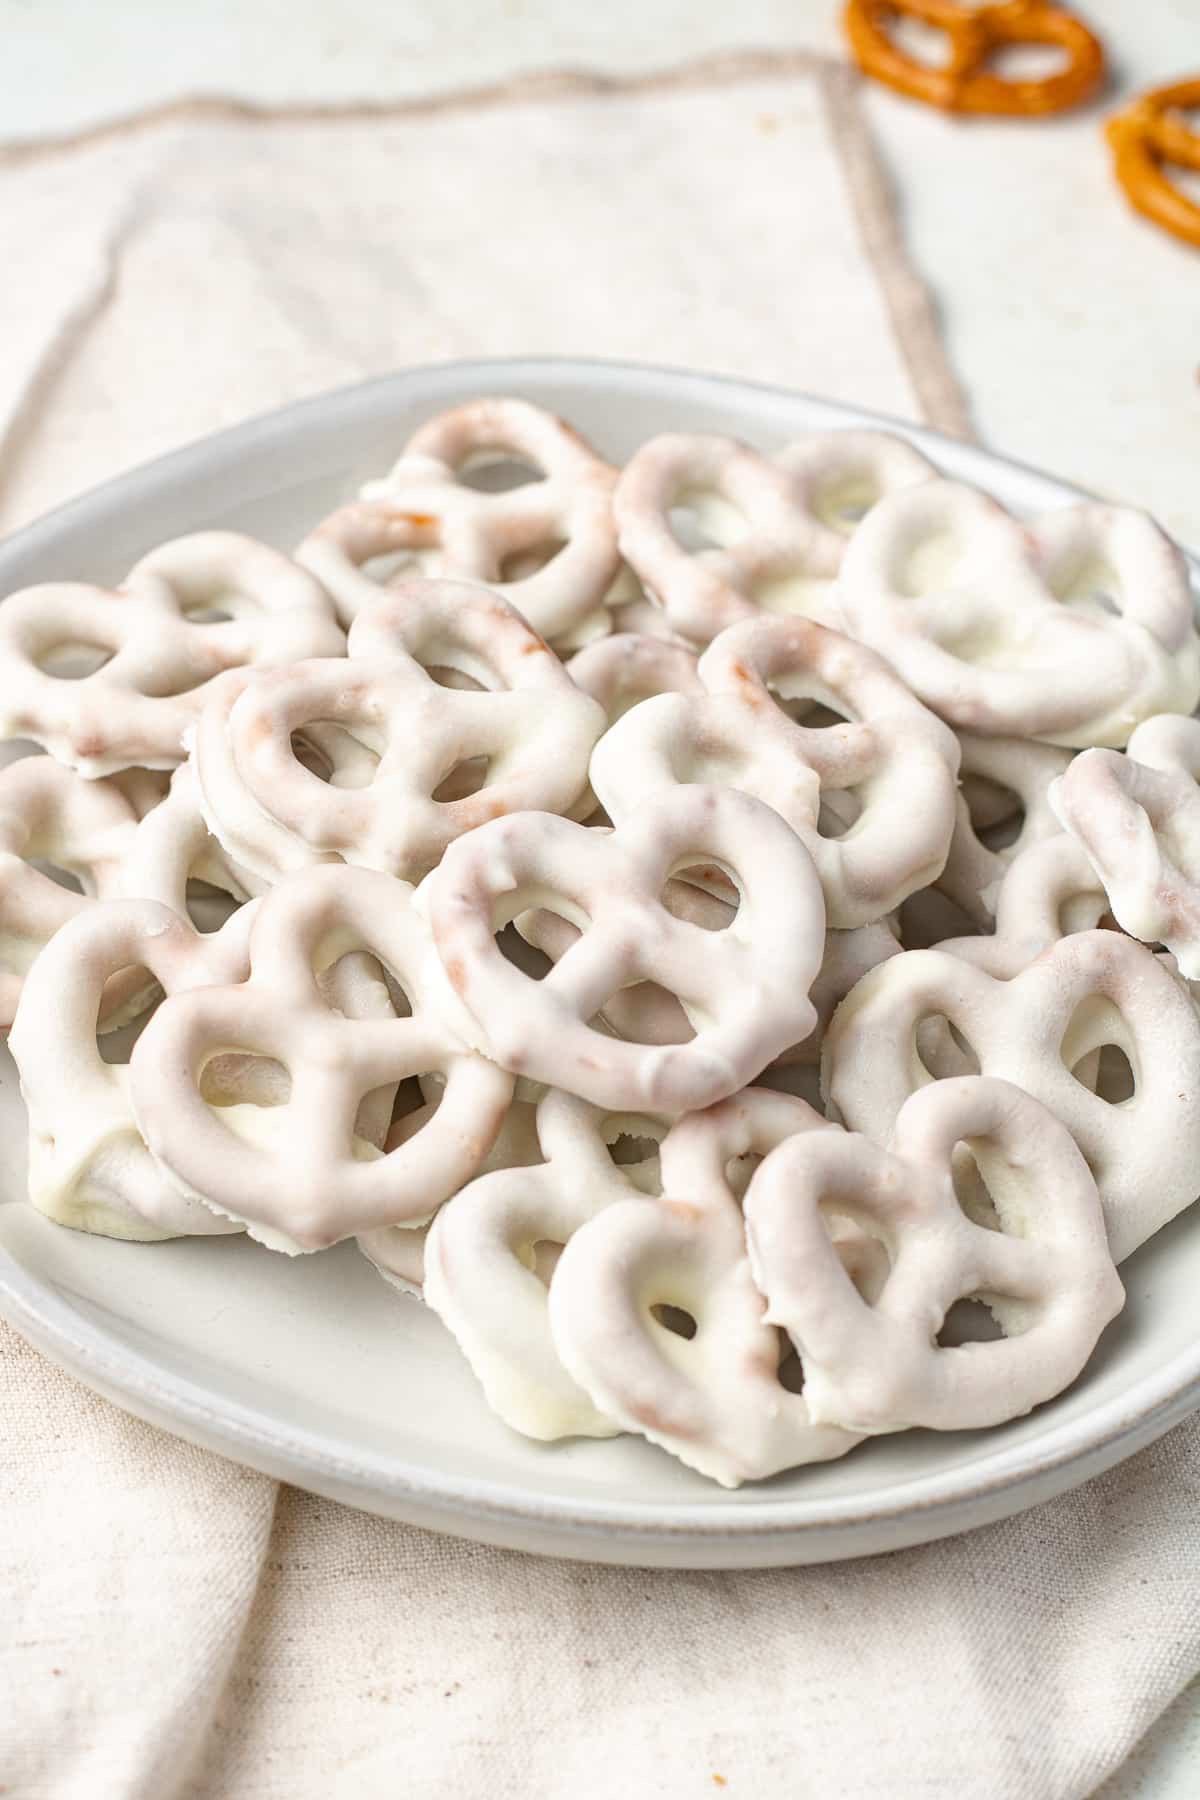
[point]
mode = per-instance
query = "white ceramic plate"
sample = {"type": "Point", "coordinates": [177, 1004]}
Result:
{"type": "Point", "coordinates": [313, 1369]}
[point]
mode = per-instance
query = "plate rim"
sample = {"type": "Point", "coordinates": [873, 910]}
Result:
{"type": "Point", "coordinates": [787, 1529]}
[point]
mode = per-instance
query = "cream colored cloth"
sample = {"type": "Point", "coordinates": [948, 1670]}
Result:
{"type": "Point", "coordinates": [175, 1628]}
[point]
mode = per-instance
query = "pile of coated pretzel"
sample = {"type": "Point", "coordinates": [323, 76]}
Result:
{"type": "Point", "coordinates": [488, 881]}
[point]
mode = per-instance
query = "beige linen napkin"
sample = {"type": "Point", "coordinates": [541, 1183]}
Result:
{"type": "Point", "coordinates": [174, 1626]}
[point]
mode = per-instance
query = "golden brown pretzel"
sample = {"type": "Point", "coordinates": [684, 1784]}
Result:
{"type": "Point", "coordinates": [965, 84]}
{"type": "Point", "coordinates": [1149, 136]}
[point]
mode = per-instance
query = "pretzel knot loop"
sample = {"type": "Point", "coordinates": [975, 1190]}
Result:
{"type": "Point", "coordinates": [1089, 990]}
{"type": "Point", "coordinates": [1071, 629]}
{"type": "Point", "coordinates": [744, 989]}
{"type": "Point", "coordinates": [777, 527]}
{"type": "Point", "coordinates": [889, 764]}
{"type": "Point", "coordinates": [1137, 817]}
{"type": "Point", "coordinates": [1044, 1271]}
{"type": "Point", "coordinates": [112, 680]}
{"type": "Point", "coordinates": [315, 1180]}
{"type": "Point", "coordinates": [548, 546]}
{"type": "Point", "coordinates": [396, 739]}
{"type": "Point", "coordinates": [965, 84]}
{"type": "Point", "coordinates": [1146, 139]}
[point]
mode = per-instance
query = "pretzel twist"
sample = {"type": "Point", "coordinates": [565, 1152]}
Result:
{"type": "Point", "coordinates": [965, 83]}
{"type": "Point", "coordinates": [1091, 989]}
{"type": "Point", "coordinates": [779, 526]}
{"type": "Point", "coordinates": [1146, 138]}
{"type": "Point", "coordinates": [423, 504]}
{"type": "Point", "coordinates": [745, 990]}
{"type": "Point", "coordinates": [393, 736]}
{"type": "Point", "coordinates": [1137, 818]}
{"type": "Point", "coordinates": [872, 1364]}
{"type": "Point", "coordinates": [160, 649]}
{"type": "Point", "coordinates": [314, 1182]}
{"type": "Point", "coordinates": [492, 1250]}
{"type": "Point", "coordinates": [88, 1163]}
{"type": "Point", "coordinates": [895, 761]}
{"type": "Point", "coordinates": [1011, 631]}
{"type": "Point", "coordinates": [714, 1399]}
{"type": "Point", "coordinates": [975, 870]}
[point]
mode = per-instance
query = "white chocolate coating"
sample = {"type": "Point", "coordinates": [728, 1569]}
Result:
{"type": "Point", "coordinates": [1073, 629]}
{"type": "Point", "coordinates": [1044, 1271]}
{"type": "Point", "coordinates": [88, 1162]}
{"type": "Point", "coordinates": [526, 719]}
{"type": "Point", "coordinates": [486, 1263]}
{"type": "Point", "coordinates": [424, 505]}
{"type": "Point", "coordinates": [745, 990]}
{"type": "Point", "coordinates": [172, 845]}
{"type": "Point", "coordinates": [628, 667]}
{"type": "Point", "coordinates": [86, 828]}
{"type": "Point", "coordinates": [974, 870]}
{"type": "Point", "coordinates": [1137, 818]}
{"type": "Point", "coordinates": [161, 663]}
{"type": "Point", "coordinates": [310, 1187]}
{"type": "Point", "coordinates": [713, 1399]}
{"type": "Point", "coordinates": [647, 1014]}
{"type": "Point", "coordinates": [893, 758]}
{"type": "Point", "coordinates": [778, 527]}
{"type": "Point", "coordinates": [1091, 989]}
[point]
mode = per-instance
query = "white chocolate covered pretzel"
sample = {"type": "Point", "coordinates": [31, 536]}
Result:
{"type": "Point", "coordinates": [745, 990]}
{"type": "Point", "coordinates": [491, 1251]}
{"type": "Point", "coordinates": [1048, 892]}
{"type": "Point", "coordinates": [310, 1185]}
{"type": "Point", "coordinates": [185, 613]}
{"type": "Point", "coordinates": [398, 1251]}
{"type": "Point", "coordinates": [713, 1398]}
{"type": "Point", "coordinates": [549, 546]}
{"type": "Point", "coordinates": [1091, 989]}
{"type": "Point", "coordinates": [1137, 818]}
{"type": "Point", "coordinates": [1071, 629]}
{"type": "Point", "coordinates": [873, 1364]}
{"type": "Point", "coordinates": [647, 1014]}
{"type": "Point", "coordinates": [891, 758]}
{"type": "Point", "coordinates": [85, 828]}
{"type": "Point", "coordinates": [777, 527]}
{"type": "Point", "coordinates": [88, 1163]}
{"type": "Point", "coordinates": [523, 719]}
{"type": "Point", "coordinates": [974, 869]}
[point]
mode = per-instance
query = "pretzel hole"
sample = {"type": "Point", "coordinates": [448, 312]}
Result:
{"type": "Point", "coordinates": [941, 1049]}
{"type": "Point", "coordinates": [1027, 61]}
{"type": "Point", "coordinates": [838, 811]}
{"type": "Point", "coordinates": [702, 520]}
{"type": "Point", "coordinates": [701, 894]}
{"type": "Point", "coordinates": [73, 660]}
{"type": "Point", "coordinates": [969, 1321]}
{"type": "Point", "coordinates": [1097, 1025]}
{"type": "Point", "coordinates": [1089, 586]}
{"type": "Point", "coordinates": [919, 41]}
{"type": "Point", "coordinates": [790, 1374]}
{"type": "Point", "coordinates": [972, 1191]}
{"type": "Point", "coordinates": [208, 906]}
{"type": "Point", "coordinates": [338, 757]}
{"type": "Point", "coordinates": [739, 1172]}
{"type": "Point", "coordinates": [444, 675]}
{"type": "Point", "coordinates": [633, 1148]}
{"type": "Point", "coordinates": [130, 996]}
{"type": "Point", "coordinates": [531, 961]}
{"type": "Point", "coordinates": [238, 1077]}
{"type": "Point", "coordinates": [61, 877]}
{"type": "Point", "coordinates": [465, 778]}
{"type": "Point", "coordinates": [844, 503]}
{"type": "Point", "coordinates": [496, 470]}
{"type": "Point", "coordinates": [674, 1319]}
{"type": "Point", "coordinates": [519, 565]}
{"type": "Point", "coordinates": [205, 613]}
